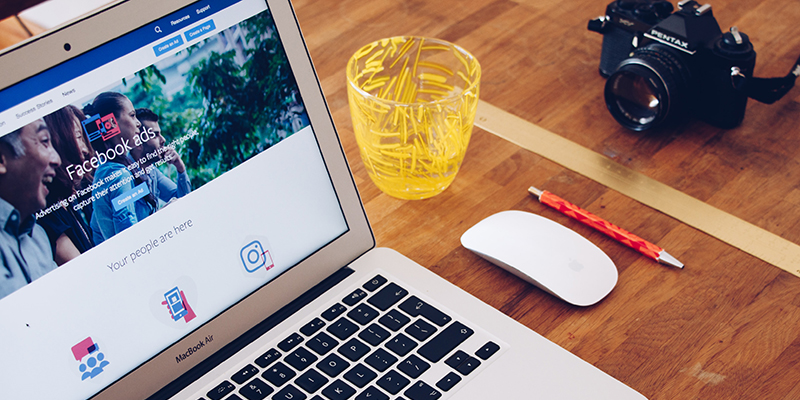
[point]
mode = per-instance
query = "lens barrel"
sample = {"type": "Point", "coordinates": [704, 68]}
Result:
{"type": "Point", "coordinates": [648, 88]}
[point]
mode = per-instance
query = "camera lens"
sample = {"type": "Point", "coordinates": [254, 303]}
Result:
{"type": "Point", "coordinates": [67, 46]}
{"type": "Point", "coordinates": [647, 88]}
{"type": "Point", "coordinates": [637, 98]}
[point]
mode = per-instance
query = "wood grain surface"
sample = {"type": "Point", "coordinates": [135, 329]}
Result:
{"type": "Point", "coordinates": [725, 327]}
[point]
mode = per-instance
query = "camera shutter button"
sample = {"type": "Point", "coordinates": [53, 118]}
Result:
{"type": "Point", "coordinates": [737, 37]}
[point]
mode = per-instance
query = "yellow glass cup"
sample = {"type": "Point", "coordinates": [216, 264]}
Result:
{"type": "Point", "coordinates": [413, 103]}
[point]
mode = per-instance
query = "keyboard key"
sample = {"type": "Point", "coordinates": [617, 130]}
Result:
{"type": "Point", "coordinates": [456, 359]}
{"type": "Point", "coordinates": [333, 312]}
{"type": "Point", "coordinates": [231, 397]}
{"type": "Point", "coordinates": [387, 296]}
{"type": "Point", "coordinates": [278, 374]}
{"type": "Point", "coordinates": [449, 380]}
{"type": "Point", "coordinates": [300, 359]}
{"type": "Point", "coordinates": [245, 374]}
{"type": "Point", "coordinates": [312, 327]}
{"type": "Point", "coordinates": [289, 393]}
{"type": "Point", "coordinates": [256, 390]}
{"type": "Point", "coordinates": [420, 330]}
{"type": "Point", "coordinates": [322, 343]}
{"type": "Point", "coordinates": [487, 350]}
{"type": "Point", "coordinates": [375, 283]}
{"type": "Point", "coordinates": [413, 366]}
{"type": "Point", "coordinates": [422, 391]}
{"type": "Point", "coordinates": [268, 358]}
{"type": "Point", "coordinates": [374, 334]}
{"type": "Point", "coordinates": [401, 345]}
{"type": "Point", "coordinates": [416, 307]}
{"type": "Point", "coordinates": [363, 314]}
{"type": "Point", "coordinates": [394, 320]}
{"type": "Point", "coordinates": [338, 390]}
{"type": "Point", "coordinates": [372, 393]}
{"type": "Point", "coordinates": [354, 349]}
{"type": "Point", "coordinates": [220, 391]}
{"type": "Point", "coordinates": [333, 365]}
{"type": "Point", "coordinates": [343, 328]}
{"type": "Point", "coordinates": [468, 366]}
{"type": "Point", "coordinates": [360, 375]}
{"type": "Point", "coordinates": [381, 360]}
{"type": "Point", "coordinates": [311, 381]}
{"type": "Point", "coordinates": [290, 342]}
{"type": "Point", "coordinates": [354, 297]}
{"type": "Point", "coordinates": [393, 382]}
{"type": "Point", "coordinates": [445, 342]}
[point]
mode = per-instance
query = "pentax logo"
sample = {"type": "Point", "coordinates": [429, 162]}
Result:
{"type": "Point", "coordinates": [669, 39]}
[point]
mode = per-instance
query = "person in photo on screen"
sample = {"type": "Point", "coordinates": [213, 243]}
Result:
{"type": "Point", "coordinates": [28, 165]}
{"type": "Point", "coordinates": [152, 151]}
{"type": "Point", "coordinates": [114, 177]}
{"type": "Point", "coordinates": [68, 227]}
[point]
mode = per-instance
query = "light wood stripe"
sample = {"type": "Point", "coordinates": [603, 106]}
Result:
{"type": "Point", "coordinates": [689, 210]}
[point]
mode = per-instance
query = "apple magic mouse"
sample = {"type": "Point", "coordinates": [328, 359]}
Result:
{"type": "Point", "coordinates": [544, 253]}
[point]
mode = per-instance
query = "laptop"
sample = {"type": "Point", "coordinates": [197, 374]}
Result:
{"type": "Point", "coordinates": [198, 234]}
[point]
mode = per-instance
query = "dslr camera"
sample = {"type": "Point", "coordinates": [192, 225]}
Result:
{"type": "Point", "coordinates": [661, 63]}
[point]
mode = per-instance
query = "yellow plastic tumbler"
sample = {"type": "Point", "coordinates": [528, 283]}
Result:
{"type": "Point", "coordinates": [413, 103]}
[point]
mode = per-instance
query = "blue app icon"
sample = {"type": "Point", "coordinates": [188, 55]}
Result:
{"type": "Point", "coordinates": [175, 304]}
{"type": "Point", "coordinates": [253, 256]}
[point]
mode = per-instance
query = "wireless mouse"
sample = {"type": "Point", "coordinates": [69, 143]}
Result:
{"type": "Point", "coordinates": [544, 253]}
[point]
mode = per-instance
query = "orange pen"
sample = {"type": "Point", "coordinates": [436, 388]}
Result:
{"type": "Point", "coordinates": [621, 235]}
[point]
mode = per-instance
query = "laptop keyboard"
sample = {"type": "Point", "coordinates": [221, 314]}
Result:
{"type": "Point", "coordinates": [375, 344]}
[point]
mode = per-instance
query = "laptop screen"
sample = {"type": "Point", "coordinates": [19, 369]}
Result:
{"type": "Point", "coordinates": [147, 186]}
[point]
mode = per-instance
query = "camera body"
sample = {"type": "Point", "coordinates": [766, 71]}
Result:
{"type": "Point", "coordinates": [623, 27]}
{"type": "Point", "coordinates": [661, 63]}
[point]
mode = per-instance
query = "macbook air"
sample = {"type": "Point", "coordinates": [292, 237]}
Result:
{"type": "Point", "coordinates": [180, 222]}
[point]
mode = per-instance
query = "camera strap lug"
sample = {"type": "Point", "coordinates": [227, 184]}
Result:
{"type": "Point", "coordinates": [599, 24]}
{"type": "Point", "coordinates": [737, 78]}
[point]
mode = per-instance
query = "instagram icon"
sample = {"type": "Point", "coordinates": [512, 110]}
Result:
{"type": "Point", "coordinates": [254, 256]}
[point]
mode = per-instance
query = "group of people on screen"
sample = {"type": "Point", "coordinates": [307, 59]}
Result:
{"type": "Point", "coordinates": [37, 173]}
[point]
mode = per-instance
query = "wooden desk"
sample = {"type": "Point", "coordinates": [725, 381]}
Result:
{"type": "Point", "coordinates": [725, 327]}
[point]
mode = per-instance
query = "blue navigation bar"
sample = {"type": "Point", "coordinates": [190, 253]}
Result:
{"type": "Point", "coordinates": [149, 33]}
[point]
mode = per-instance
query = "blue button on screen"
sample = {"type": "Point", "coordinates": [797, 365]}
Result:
{"type": "Point", "coordinates": [199, 30]}
{"type": "Point", "coordinates": [168, 45]}
{"type": "Point", "coordinates": [130, 196]}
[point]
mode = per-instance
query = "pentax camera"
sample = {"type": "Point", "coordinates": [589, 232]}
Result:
{"type": "Point", "coordinates": [661, 63]}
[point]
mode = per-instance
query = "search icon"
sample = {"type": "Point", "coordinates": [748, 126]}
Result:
{"type": "Point", "coordinates": [158, 29]}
